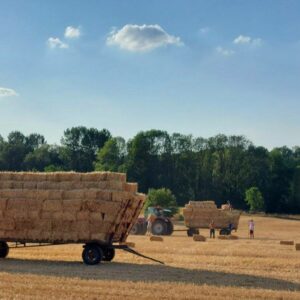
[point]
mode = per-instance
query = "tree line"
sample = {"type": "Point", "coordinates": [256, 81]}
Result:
{"type": "Point", "coordinates": [219, 168]}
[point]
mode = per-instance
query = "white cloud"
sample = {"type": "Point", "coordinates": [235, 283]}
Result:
{"type": "Point", "coordinates": [224, 52]}
{"type": "Point", "coordinates": [72, 32]}
{"type": "Point", "coordinates": [204, 30]}
{"type": "Point", "coordinates": [5, 92]}
{"type": "Point", "coordinates": [138, 38]}
{"type": "Point", "coordinates": [56, 43]}
{"type": "Point", "coordinates": [247, 40]}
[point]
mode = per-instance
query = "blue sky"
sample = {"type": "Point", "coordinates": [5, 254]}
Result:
{"type": "Point", "coordinates": [194, 67]}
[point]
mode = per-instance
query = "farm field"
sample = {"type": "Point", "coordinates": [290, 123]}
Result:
{"type": "Point", "coordinates": [215, 269]}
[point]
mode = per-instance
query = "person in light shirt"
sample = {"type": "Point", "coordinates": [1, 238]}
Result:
{"type": "Point", "coordinates": [251, 229]}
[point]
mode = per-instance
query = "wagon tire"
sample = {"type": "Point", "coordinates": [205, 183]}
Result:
{"type": "Point", "coordinates": [92, 254]}
{"type": "Point", "coordinates": [192, 231]}
{"type": "Point", "coordinates": [4, 249]}
{"type": "Point", "coordinates": [108, 254]}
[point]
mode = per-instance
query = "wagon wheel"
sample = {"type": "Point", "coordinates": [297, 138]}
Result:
{"type": "Point", "coordinates": [92, 254]}
{"type": "Point", "coordinates": [192, 231]}
{"type": "Point", "coordinates": [4, 249]}
{"type": "Point", "coordinates": [108, 254]}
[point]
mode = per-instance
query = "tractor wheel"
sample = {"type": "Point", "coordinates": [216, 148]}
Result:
{"type": "Point", "coordinates": [192, 231]}
{"type": "Point", "coordinates": [224, 231]}
{"type": "Point", "coordinates": [144, 228]}
{"type": "Point", "coordinates": [4, 249]}
{"type": "Point", "coordinates": [108, 254]}
{"type": "Point", "coordinates": [92, 254]}
{"type": "Point", "coordinates": [170, 228]}
{"type": "Point", "coordinates": [159, 227]}
{"type": "Point", "coordinates": [135, 230]}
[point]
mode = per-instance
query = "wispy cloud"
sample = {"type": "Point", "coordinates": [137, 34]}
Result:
{"type": "Point", "coordinates": [224, 52]}
{"type": "Point", "coordinates": [5, 92]}
{"type": "Point", "coordinates": [139, 38]}
{"type": "Point", "coordinates": [72, 32]}
{"type": "Point", "coordinates": [204, 30]}
{"type": "Point", "coordinates": [247, 40]}
{"type": "Point", "coordinates": [56, 43]}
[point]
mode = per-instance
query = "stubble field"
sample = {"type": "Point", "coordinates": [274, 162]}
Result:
{"type": "Point", "coordinates": [215, 269]}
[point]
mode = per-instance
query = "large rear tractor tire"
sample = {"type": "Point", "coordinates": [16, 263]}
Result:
{"type": "Point", "coordinates": [192, 231]}
{"type": "Point", "coordinates": [135, 230]}
{"type": "Point", "coordinates": [170, 228]}
{"type": "Point", "coordinates": [92, 254]}
{"type": "Point", "coordinates": [4, 249]}
{"type": "Point", "coordinates": [159, 227]}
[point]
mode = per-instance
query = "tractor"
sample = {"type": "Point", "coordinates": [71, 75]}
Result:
{"type": "Point", "coordinates": [161, 225]}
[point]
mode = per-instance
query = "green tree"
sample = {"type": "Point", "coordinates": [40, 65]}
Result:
{"type": "Point", "coordinates": [112, 156]}
{"type": "Point", "coordinates": [254, 199]}
{"type": "Point", "coordinates": [162, 197]}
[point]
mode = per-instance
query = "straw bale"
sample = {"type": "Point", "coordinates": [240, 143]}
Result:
{"type": "Point", "coordinates": [72, 205]}
{"type": "Point", "coordinates": [34, 234]}
{"type": "Point", "coordinates": [130, 187]}
{"type": "Point", "coordinates": [57, 215]}
{"type": "Point", "coordinates": [45, 235]}
{"type": "Point", "coordinates": [95, 216]}
{"type": "Point", "coordinates": [100, 226]}
{"type": "Point", "coordinates": [297, 246]}
{"type": "Point", "coordinates": [120, 196]}
{"type": "Point", "coordinates": [46, 215]}
{"type": "Point", "coordinates": [18, 204]}
{"type": "Point", "coordinates": [199, 238]}
{"type": "Point", "coordinates": [29, 185]}
{"type": "Point", "coordinates": [55, 194]}
{"type": "Point", "coordinates": [16, 214]}
{"type": "Point", "coordinates": [116, 176]}
{"type": "Point", "coordinates": [17, 176]}
{"type": "Point", "coordinates": [228, 237]}
{"type": "Point", "coordinates": [33, 214]}
{"type": "Point", "coordinates": [110, 217]}
{"type": "Point", "coordinates": [69, 216]}
{"type": "Point", "coordinates": [16, 234]}
{"type": "Point", "coordinates": [101, 206]}
{"type": "Point", "coordinates": [64, 176]}
{"type": "Point", "coordinates": [42, 194]}
{"type": "Point", "coordinates": [84, 235]}
{"type": "Point", "coordinates": [79, 226]}
{"type": "Point", "coordinates": [7, 224]}
{"type": "Point", "coordinates": [82, 215]}
{"type": "Point", "coordinates": [155, 238]}
{"type": "Point", "coordinates": [70, 236]}
{"type": "Point", "coordinates": [5, 176]}
{"type": "Point", "coordinates": [98, 236]}
{"type": "Point", "coordinates": [92, 176]}
{"type": "Point", "coordinates": [115, 185]}
{"type": "Point", "coordinates": [45, 224]}
{"type": "Point", "coordinates": [76, 194]}
{"type": "Point", "coordinates": [286, 242]}
{"type": "Point", "coordinates": [43, 185]}
{"type": "Point", "coordinates": [26, 176]}
{"type": "Point", "coordinates": [3, 203]}
{"type": "Point", "coordinates": [57, 235]}
{"type": "Point", "coordinates": [52, 205]}
{"type": "Point", "coordinates": [8, 184]}
{"type": "Point", "coordinates": [34, 204]}
{"type": "Point", "coordinates": [25, 225]}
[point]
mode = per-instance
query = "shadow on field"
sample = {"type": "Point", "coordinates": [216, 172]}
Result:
{"type": "Point", "coordinates": [141, 272]}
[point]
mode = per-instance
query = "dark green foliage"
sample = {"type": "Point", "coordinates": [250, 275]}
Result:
{"type": "Point", "coordinates": [220, 168]}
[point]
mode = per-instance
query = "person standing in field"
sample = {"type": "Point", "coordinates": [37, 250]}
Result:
{"type": "Point", "coordinates": [251, 229]}
{"type": "Point", "coordinates": [150, 220]}
{"type": "Point", "coordinates": [212, 229]}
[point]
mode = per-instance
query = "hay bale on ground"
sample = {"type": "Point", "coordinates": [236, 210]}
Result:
{"type": "Point", "coordinates": [199, 238]}
{"type": "Point", "coordinates": [155, 238]}
{"type": "Point", "coordinates": [297, 247]}
{"type": "Point", "coordinates": [286, 242]}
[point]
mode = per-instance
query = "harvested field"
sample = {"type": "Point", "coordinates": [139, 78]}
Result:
{"type": "Point", "coordinates": [215, 269]}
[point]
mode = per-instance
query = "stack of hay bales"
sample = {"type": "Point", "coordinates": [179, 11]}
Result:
{"type": "Point", "coordinates": [199, 214]}
{"type": "Point", "coordinates": [67, 206]}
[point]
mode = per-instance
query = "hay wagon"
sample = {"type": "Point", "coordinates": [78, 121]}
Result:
{"type": "Point", "coordinates": [199, 214]}
{"type": "Point", "coordinates": [96, 209]}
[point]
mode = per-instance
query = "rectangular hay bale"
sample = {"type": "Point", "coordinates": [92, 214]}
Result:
{"type": "Point", "coordinates": [286, 242]}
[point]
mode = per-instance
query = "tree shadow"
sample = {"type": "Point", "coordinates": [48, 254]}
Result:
{"type": "Point", "coordinates": [142, 272]}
